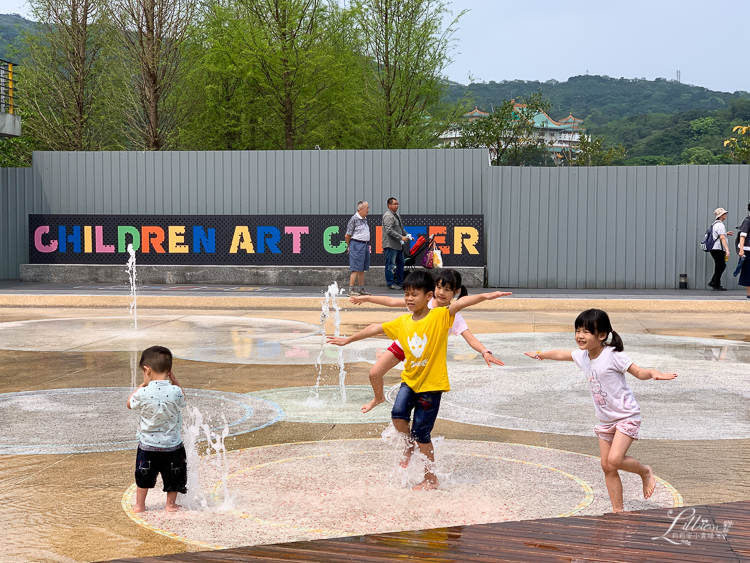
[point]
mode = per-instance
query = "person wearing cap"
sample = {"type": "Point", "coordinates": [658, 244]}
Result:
{"type": "Point", "coordinates": [720, 251]}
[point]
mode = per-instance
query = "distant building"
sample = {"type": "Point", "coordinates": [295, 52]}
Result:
{"type": "Point", "coordinates": [561, 136]}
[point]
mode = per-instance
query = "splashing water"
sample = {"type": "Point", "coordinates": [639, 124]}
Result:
{"type": "Point", "coordinates": [134, 369]}
{"type": "Point", "coordinates": [216, 455]}
{"type": "Point", "coordinates": [414, 473]}
{"type": "Point", "coordinates": [337, 332]}
{"type": "Point", "coordinates": [330, 299]}
{"type": "Point", "coordinates": [133, 293]}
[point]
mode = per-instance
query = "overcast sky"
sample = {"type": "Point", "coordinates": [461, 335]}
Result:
{"type": "Point", "coordinates": [706, 41]}
{"type": "Point", "coordinates": [502, 40]}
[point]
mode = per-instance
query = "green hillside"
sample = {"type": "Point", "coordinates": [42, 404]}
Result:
{"type": "Point", "coordinates": [12, 27]}
{"type": "Point", "coordinates": [601, 99]}
{"type": "Point", "coordinates": [657, 121]}
{"type": "Point", "coordinates": [689, 137]}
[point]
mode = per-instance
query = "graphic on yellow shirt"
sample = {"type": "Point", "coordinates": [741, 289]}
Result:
{"type": "Point", "coordinates": [416, 345]}
{"type": "Point", "coordinates": [425, 345]}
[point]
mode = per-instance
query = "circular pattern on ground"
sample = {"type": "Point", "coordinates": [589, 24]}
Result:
{"type": "Point", "coordinates": [96, 419]}
{"type": "Point", "coordinates": [225, 339]}
{"type": "Point", "coordinates": [296, 492]}
{"type": "Point", "coordinates": [707, 401]}
{"type": "Point", "coordinates": [325, 405]}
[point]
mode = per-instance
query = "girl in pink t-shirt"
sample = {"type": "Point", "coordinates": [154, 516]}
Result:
{"type": "Point", "coordinates": [447, 286]}
{"type": "Point", "coordinates": [605, 365]}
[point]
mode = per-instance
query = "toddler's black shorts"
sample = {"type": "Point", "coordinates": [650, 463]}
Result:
{"type": "Point", "coordinates": [172, 466]}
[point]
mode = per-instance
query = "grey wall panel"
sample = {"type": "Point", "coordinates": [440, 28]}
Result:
{"type": "Point", "coordinates": [272, 182]}
{"type": "Point", "coordinates": [16, 198]}
{"type": "Point", "coordinates": [613, 227]}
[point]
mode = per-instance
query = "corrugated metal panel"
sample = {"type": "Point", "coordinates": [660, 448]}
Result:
{"type": "Point", "coordinates": [272, 182]}
{"type": "Point", "coordinates": [16, 196]}
{"type": "Point", "coordinates": [613, 227]}
{"type": "Point", "coordinates": [252, 183]}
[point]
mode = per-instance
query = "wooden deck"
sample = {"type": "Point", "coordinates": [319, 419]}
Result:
{"type": "Point", "coordinates": [595, 539]}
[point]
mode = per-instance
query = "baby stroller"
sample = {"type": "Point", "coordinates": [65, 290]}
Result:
{"type": "Point", "coordinates": [416, 252]}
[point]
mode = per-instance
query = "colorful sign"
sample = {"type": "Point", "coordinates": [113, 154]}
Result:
{"type": "Point", "coordinates": [288, 240]}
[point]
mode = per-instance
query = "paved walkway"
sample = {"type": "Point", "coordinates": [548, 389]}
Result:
{"type": "Point", "coordinates": [24, 288]}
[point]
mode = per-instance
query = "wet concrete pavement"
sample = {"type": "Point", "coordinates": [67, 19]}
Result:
{"type": "Point", "coordinates": [67, 507]}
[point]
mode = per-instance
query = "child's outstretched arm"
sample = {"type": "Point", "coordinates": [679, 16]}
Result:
{"type": "Point", "coordinates": [379, 300]}
{"type": "Point", "coordinates": [470, 300]}
{"type": "Point", "coordinates": [372, 330]}
{"type": "Point", "coordinates": [472, 341]}
{"type": "Point", "coordinates": [644, 374]}
{"type": "Point", "coordinates": [558, 355]}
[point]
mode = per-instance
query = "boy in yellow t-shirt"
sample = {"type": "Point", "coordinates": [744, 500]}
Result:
{"type": "Point", "coordinates": [423, 335]}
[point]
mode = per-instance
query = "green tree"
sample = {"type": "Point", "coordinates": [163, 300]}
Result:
{"type": "Point", "coordinates": [224, 110]}
{"type": "Point", "coordinates": [591, 152]}
{"type": "Point", "coordinates": [703, 125]}
{"type": "Point", "coordinates": [739, 147]}
{"type": "Point", "coordinates": [699, 155]}
{"type": "Point", "coordinates": [510, 132]}
{"type": "Point", "coordinates": [406, 45]}
{"type": "Point", "coordinates": [66, 74]}
{"type": "Point", "coordinates": [650, 161]}
{"type": "Point", "coordinates": [16, 152]}
{"type": "Point", "coordinates": [279, 74]}
{"type": "Point", "coordinates": [153, 38]}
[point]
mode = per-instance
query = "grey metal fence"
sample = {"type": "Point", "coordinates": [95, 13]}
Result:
{"type": "Point", "coordinates": [235, 183]}
{"type": "Point", "coordinates": [608, 227]}
{"type": "Point", "coordinates": [263, 182]}
{"type": "Point", "coordinates": [16, 198]}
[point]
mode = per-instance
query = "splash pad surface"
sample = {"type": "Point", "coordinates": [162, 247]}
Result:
{"type": "Point", "coordinates": [96, 419]}
{"type": "Point", "coordinates": [302, 404]}
{"type": "Point", "coordinates": [281, 361]}
{"type": "Point", "coordinates": [304, 491]}
{"type": "Point", "coordinates": [707, 401]}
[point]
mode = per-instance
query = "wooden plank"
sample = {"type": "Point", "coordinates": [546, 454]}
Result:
{"type": "Point", "coordinates": [610, 538]}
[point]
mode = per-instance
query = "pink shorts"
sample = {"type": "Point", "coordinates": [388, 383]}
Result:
{"type": "Point", "coordinates": [628, 426]}
{"type": "Point", "coordinates": [396, 350]}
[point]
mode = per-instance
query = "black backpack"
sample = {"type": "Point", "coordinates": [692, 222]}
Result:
{"type": "Point", "coordinates": [708, 240]}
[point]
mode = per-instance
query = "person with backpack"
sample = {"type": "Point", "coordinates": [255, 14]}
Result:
{"type": "Point", "coordinates": [720, 248]}
{"type": "Point", "coordinates": [743, 247]}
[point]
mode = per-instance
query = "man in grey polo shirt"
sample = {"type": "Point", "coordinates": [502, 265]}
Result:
{"type": "Point", "coordinates": [358, 246]}
{"type": "Point", "coordinates": [394, 237]}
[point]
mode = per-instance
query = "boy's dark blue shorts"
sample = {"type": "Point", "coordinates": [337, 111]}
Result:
{"type": "Point", "coordinates": [171, 465]}
{"type": "Point", "coordinates": [425, 407]}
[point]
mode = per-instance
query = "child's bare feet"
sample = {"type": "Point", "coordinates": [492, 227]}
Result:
{"type": "Point", "coordinates": [649, 482]}
{"type": "Point", "coordinates": [426, 485]}
{"type": "Point", "coordinates": [372, 404]}
{"type": "Point", "coordinates": [406, 457]}
{"type": "Point", "coordinates": [172, 507]}
{"type": "Point", "coordinates": [139, 508]}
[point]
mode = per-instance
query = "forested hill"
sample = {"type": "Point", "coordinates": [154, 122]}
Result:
{"type": "Point", "coordinates": [600, 98]}
{"type": "Point", "coordinates": [12, 27]}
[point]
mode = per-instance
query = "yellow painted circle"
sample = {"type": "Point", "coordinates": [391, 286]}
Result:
{"type": "Point", "coordinates": [586, 488]}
